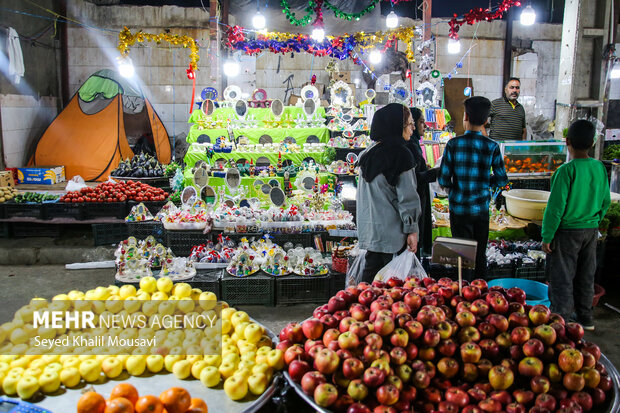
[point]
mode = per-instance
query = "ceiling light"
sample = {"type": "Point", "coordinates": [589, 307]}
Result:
{"type": "Point", "coordinates": [375, 57]}
{"type": "Point", "coordinates": [528, 16]}
{"type": "Point", "coordinates": [125, 67]}
{"type": "Point", "coordinates": [454, 46]}
{"type": "Point", "coordinates": [391, 21]}
{"type": "Point", "coordinates": [231, 69]}
{"type": "Point", "coordinates": [258, 21]}
{"type": "Point", "coordinates": [318, 34]}
{"type": "Point", "coordinates": [615, 71]}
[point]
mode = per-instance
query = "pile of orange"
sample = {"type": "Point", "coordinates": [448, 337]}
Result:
{"type": "Point", "coordinates": [125, 399]}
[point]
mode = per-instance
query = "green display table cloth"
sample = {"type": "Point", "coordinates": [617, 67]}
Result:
{"type": "Point", "coordinates": [278, 134]}
{"type": "Point", "coordinates": [248, 181]}
{"type": "Point", "coordinates": [507, 234]}
{"type": "Point", "coordinates": [194, 155]}
{"type": "Point", "coordinates": [257, 113]}
{"type": "Point", "coordinates": [195, 132]}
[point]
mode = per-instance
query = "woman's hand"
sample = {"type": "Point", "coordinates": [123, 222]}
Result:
{"type": "Point", "coordinates": [546, 248]}
{"type": "Point", "coordinates": [412, 242]}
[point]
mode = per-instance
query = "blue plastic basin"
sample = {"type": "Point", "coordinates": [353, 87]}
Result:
{"type": "Point", "coordinates": [536, 292]}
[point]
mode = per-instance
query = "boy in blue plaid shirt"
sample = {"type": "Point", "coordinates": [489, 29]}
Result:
{"type": "Point", "coordinates": [466, 172]}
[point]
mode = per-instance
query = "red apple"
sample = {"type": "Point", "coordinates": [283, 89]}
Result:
{"type": "Point", "coordinates": [329, 321]}
{"type": "Point", "coordinates": [374, 339]}
{"type": "Point", "coordinates": [413, 300]}
{"type": "Point", "coordinates": [345, 324]}
{"type": "Point", "coordinates": [358, 408]}
{"type": "Point", "coordinates": [374, 377]}
{"type": "Point", "coordinates": [414, 329]}
{"type": "Point", "coordinates": [570, 360]}
{"type": "Point", "coordinates": [426, 353]}
{"type": "Point", "coordinates": [366, 297]}
{"type": "Point", "coordinates": [515, 408]}
{"type": "Point", "coordinates": [297, 369]}
{"type": "Point", "coordinates": [346, 296]}
{"type": "Point", "coordinates": [533, 348]}
{"type": "Point", "coordinates": [463, 306]}
{"type": "Point", "coordinates": [480, 308]}
{"type": "Point", "coordinates": [398, 355]}
{"type": "Point", "coordinates": [294, 333]}
{"type": "Point", "coordinates": [593, 349]}
{"type": "Point", "coordinates": [431, 337]}
{"type": "Point", "coordinates": [484, 366]}
{"type": "Point", "coordinates": [465, 318]}
{"type": "Point", "coordinates": [310, 380]}
{"type": "Point", "coordinates": [520, 335]}
{"type": "Point", "coordinates": [432, 394]}
{"type": "Point", "coordinates": [371, 353]}
{"type": "Point", "coordinates": [457, 396]}
{"type": "Point", "coordinates": [402, 319]}
{"type": "Point", "coordinates": [448, 367]}
{"type": "Point", "coordinates": [399, 338]}
{"type": "Point", "coordinates": [574, 331]}
{"type": "Point", "coordinates": [344, 354]}
{"type": "Point", "coordinates": [360, 329]}
{"type": "Point", "coordinates": [320, 311]}
{"type": "Point", "coordinates": [490, 349]}
{"type": "Point", "coordinates": [412, 351]}
{"type": "Point", "coordinates": [524, 397]}
{"type": "Point", "coordinates": [312, 328]}
{"type": "Point", "coordinates": [498, 303]}
{"type": "Point", "coordinates": [476, 394]}
{"type": "Point", "coordinates": [471, 293]}
{"type": "Point", "coordinates": [294, 352]}
{"type": "Point", "coordinates": [487, 330]}
{"type": "Point", "coordinates": [470, 352]}
{"type": "Point", "coordinates": [498, 321]}
{"type": "Point", "coordinates": [384, 325]}
{"type": "Point", "coordinates": [330, 335]}
{"type": "Point", "coordinates": [490, 405]}
{"type": "Point", "coordinates": [545, 401]}
{"type": "Point", "coordinates": [380, 304]}
{"type": "Point", "coordinates": [606, 384]}
{"type": "Point", "coordinates": [421, 379]}
{"type": "Point", "coordinates": [539, 314]}
{"type": "Point", "coordinates": [469, 333]}
{"type": "Point", "coordinates": [530, 367]}
{"type": "Point", "coordinates": [326, 361]}
{"type": "Point", "coordinates": [336, 304]}
{"type": "Point", "coordinates": [592, 377]}
{"type": "Point", "coordinates": [348, 340]}
{"type": "Point", "coordinates": [284, 345]}
{"type": "Point", "coordinates": [540, 384]}
{"type": "Point", "coordinates": [516, 352]}
{"type": "Point", "coordinates": [598, 396]}
{"type": "Point", "coordinates": [518, 319]}
{"type": "Point", "coordinates": [584, 400]}
{"type": "Point", "coordinates": [445, 329]}
{"type": "Point", "coordinates": [357, 390]}
{"type": "Point", "coordinates": [325, 394]}
{"type": "Point", "coordinates": [359, 312]}
{"type": "Point", "coordinates": [501, 377]}
{"type": "Point", "coordinates": [314, 350]}
{"type": "Point", "coordinates": [515, 307]}
{"type": "Point", "coordinates": [469, 372]}
{"type": "Point", "coordinates": [546, 334]}
{"type": "Point", "coordinates": [573, 381]}
{"type": "Point", "coordinates": [427, 317]}
{"type": "Point", "coordinates": [447, 347]}
{"type": "Point", "coordinates": [588, 359]}
{"type": "Point", "coordinates": [516, 294]}
{"type": "Point", "coordinates": [503, 340]}
{"type": "Point", "coordinates": [352, 368]}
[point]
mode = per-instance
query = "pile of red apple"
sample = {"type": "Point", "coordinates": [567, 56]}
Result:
{"type": "Point", "coordinates": [418, 346]}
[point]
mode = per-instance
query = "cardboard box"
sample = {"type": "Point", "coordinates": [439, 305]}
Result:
{"type": "Point", "coordinates": [345, 76]}
{"type": "Point", "coordinates": [6, 179]}
{"type": "Point", "coordinates": [45, 175]}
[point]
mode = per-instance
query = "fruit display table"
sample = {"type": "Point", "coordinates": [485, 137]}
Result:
{"type": "Point", "coordinates": [195, 153]}
{"type": "Point", "coordinates": [278, 134]}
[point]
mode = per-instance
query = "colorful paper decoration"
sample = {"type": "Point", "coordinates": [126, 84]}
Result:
{"type": "Point", "coordinates": [316, 7]}
{"type": "Point", "coordinates": [480, 14]}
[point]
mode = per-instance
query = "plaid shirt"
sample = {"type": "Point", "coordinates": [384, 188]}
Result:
{"type": "Point", "coordinates": [466, 171]}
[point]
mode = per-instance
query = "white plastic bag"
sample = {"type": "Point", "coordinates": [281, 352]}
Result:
{"type": "Point", "coordinates": [402, 266]}
{"type": "Point", "coordinates": [356, 269]}
{"type": "Point", "coordinates": [75, 184]}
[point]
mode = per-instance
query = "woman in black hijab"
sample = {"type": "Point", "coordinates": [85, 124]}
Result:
{"type": "Point", "coordinates": [388, 205]}
{"type": "Point", "coordinates": [424, 177]}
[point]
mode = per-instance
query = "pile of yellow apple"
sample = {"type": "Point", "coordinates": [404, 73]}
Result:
{"type": "Point", "coordinates": [246, 364]}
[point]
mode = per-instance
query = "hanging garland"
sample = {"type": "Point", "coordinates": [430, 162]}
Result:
{"type": "Point", "coordinates": [480, 14]}
{"type": "Point", "coordinates": [316, 7]}
{"type": "Point", "coordinates": [341, 47]}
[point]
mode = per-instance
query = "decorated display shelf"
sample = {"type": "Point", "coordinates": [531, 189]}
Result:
{"type": "Point", "coordinates": [213, 133]}
{"type": "Point", "coordinates": [300, 135]}
{"type": "Point", "coordinates": [197, 153]}
{"type": "Point", "coordinates": [258, 114]}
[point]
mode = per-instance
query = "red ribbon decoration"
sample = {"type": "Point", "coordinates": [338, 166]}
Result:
{"type": "Point", "coordinates": [408, 75]}
{"type": "Point", "coordinates": [480, 14]}
{"type": "Point", "coordinates": [192, 76]}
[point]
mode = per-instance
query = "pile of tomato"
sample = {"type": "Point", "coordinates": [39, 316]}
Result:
{"type": "Point", "coordinates": [116, 192]}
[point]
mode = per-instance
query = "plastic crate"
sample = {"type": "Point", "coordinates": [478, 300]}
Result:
{"type": "Point", "coordinates": [65, 210]}
{"type": "Point", "coordinates": [141, 230]}
{"type": "Point", "coordinates": [257, 289]}
{"type": "Point", "coordinates": [26, 229]}
{"type": "Point", "coordinates": [208, 280]}
{"type": "Point", "coordinates": [107, 234]}
{"type": "Point", "coordinates": [338, 282]}
{"type": "Point", "coordinates": [181, 242]}
{"type": "Point", "coordinates": [500, 272]}
{"type": "Point", "coordinates": [5, 230]}
{"type": "Point", "coordinates": [106, 209]}
{"type": "Point", "coordinates": [438, 271]}
{"type": "Point", "coordinates": [542, 184]}
{"type": "Point", "coordinates": [305, 239]}
{"type": "Point", "coordinates": [12, 209]}
{"type": "Point", "coordinates": [295, 289]}
{"type": "Point", "coordinates": [531, 273]}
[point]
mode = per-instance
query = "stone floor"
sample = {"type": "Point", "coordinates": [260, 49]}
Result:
{"type": "Point", "coordinates": [21, 283]}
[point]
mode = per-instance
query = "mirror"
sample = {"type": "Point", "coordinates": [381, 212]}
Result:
{"type": "Point", "coordinates": [289, 140]}
{"type": "Point", "coordinates": [254, 203]}
{"type": "Point", "coordinates": [208, 107]}
{"type": "Point", "coordinates": [351, 157]}
{"type": "Point", "coordinates": [348, 134]}
{"type": "Point", "coordinates": [241, 108]}
{"type": "Point", "coordinates": [347, 117]}
{"type": "Point", "coordinates": [233, 179]}
{"type": "Point", "coordinates": [341, 94]}
{"type": "Point", "coordinates": [262, 161]}
{"type": "Point", "coordinates": [287, 162]}
{"type": "Point", "coordinates": [220, 163]}
{"type": "Point", "coordinates": [277, 197]}
{"type": "Point", "coordinates": [258, 183]}
{"type": "Point", "coordinates": [208, 93]}
{"type": "Point", "coordinates": [277, 108]}
{"type": "Point", "coordinates": [427, 94]}
{"type": "Point", "coordinates": [208, 195]}
{"type": "Point", "coordinates": [203, 139]}
{"type": "Point", "coordinates": [307, 184]}
{"type": "Point", "coordinates": [309, 92]}
{"type": "Point", "coordinates": [201, 177]}
{"type": "Point", "coordinates": [309, 107]}
{"type": "Point", "coordinates": [274, 183]}
{"type": "Point", "coordinates": [370, 95]}
{"type": "Point", "coordinates": [312, 139]}
{"type": "Point", "coordinates": [309, 159]}
{"type": "Point", "coordinates": [245, 203]}
{"type": "Point", "coordinates": [259, 94]}
{"type": "Point", "coordinates": [189, 195]}
{"type": "Point", "coordinates": [399, 93]}
{"type": "Point", "coordinates": [229, 203]}
{"type": "Point", "coordinates": [200, 164]}
{"type": "Point", "coordinates": [265, 189]}
{"type": "Point", "coordinates": [265, 139]}
{"type": "Point", "coordinates": [232, 93]}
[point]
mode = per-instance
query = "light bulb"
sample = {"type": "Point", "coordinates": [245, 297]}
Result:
{"type": "Point", "coordinates": [258, 21]}
{"type": "Point", "coordinates": [528, 16]}
{"type": "Point", "coordinates": [615, 71]}
{"type": "Point", "coordinates": [125, 67]}
{"type": "Point", "coordinates": [375, 57]}
{"type": "Point", "coordinates": [391, 21]}
{"type": "Point", "coordinates": [454, 46]}
{"type": "Point", "coordinates": [318, 34]}
{"type": "Point", "coordinates": [231, 69]}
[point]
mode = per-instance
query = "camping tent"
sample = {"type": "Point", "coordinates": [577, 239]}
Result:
{"type": "Point", "coordinates": [98, 127]}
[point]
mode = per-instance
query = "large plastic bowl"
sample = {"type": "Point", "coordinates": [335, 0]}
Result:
{"type": "Point", "coordinates": [535, 292]}
{"type": "Point", "coordinates": [526, 203]}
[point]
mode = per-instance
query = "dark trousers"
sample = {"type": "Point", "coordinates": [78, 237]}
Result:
{"type": "Point", "coordinates": [374, 262]}
{"type": "Point", "coordinates": [477, 229]}
{"type": "Point", "coordinates": [570, 271]}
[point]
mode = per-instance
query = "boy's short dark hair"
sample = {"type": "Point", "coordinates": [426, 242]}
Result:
{"type": "Point", "coordinates": [510, 79]}
{"type": "Point", "coordinates": [478, 109]}
{"type": "Point", "coordinates": [581, 134]}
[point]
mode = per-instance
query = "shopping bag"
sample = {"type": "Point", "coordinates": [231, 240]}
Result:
{"type": "Point", "coordinates": [356, 267]}
{"type": "Point", "coordinates": [402, 266]}
{"type": "Point", "coordinates": [75, 184]}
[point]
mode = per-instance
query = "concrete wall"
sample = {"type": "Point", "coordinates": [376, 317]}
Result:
{"type": "Point", "coordinates": [28, 106]}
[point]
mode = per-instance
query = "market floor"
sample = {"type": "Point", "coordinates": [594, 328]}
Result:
{"type": "Point", "coordinates": [21, 283]}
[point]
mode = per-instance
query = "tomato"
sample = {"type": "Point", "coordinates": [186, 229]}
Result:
{"type": "Point", "coordinates": [80, 199]}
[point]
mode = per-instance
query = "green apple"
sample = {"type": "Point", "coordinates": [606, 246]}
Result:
{"type": "Point", "coordinates": [258, 383]}
{"type": "Point", "coordinates": [27, 386]}
{"type": "Point", "coordinates": [155, 363]}
{"type": "Point", "coordinates": [236, 387]}
{"type": "Point", "coordinates": [49, 381]}
{"type": "Point", "coordinates": [90, 370]}
{"type": "Point", "coordinates": [182, 369]}
{"type": "Point", "coordinates": [112, 367]}
{"type": "Point", "coordinates": [210, 376]}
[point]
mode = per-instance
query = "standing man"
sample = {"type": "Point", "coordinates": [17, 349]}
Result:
{"type": "Point", "coordinates": [507, 114]}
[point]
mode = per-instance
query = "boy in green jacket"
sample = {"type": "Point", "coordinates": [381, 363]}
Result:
{"type": "Point", "coordinates": [578, 202]}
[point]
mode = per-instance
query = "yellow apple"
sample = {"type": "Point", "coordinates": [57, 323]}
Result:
{"type": "Point", "coordinates": [236, 387]}
{"type": "Point", "coordinates": [249, 356]}
{"type": "Point", "coordinates": [182, 369]}
{"type": "Point", "coordinates": [98, 306]}
{"type": "Point", "coordinates": [131, 304]}
{"type": "Point", "coordinates": [72, 361]}
{"type": "Point", "coordinates": [49, 381]}
{"type": "Point", "coordinates": [112, 367]}
{"type": "Point", "coordinates": [193, 357]}
{"type": "Point", "coordinates": [38, 303]}
{"type": "Point", "coordinates": [186, 304]}
{"type": "Point", "coordinates": [4, 367]}
{"type": "Point", "coordinates": [25, 313]}
{"type": "Point", "coordinates": [90, 370]}
{"type": "Point", "coordinates": [57, 367]}
{"type": "Point", "coordinates": [27, 386]}
{"type": "Point", "coordinates": [253, 332]}
{"type": "Point", "coordinates": [197, 367]}
{"type": "Point", "coordinates": [227, 313]}
{"type": "Point", "coordinates": [20, 362]}
{"type": "Point", "coordinates": [70, 377]}
{"type": "Point", "coordinates": [264, 341]}
{"type": "Point", "coordinates": [208, 300]}
{"type": "Point", "coordinates": [51, 358]}
{"type": "Point", "coordinates": [150, 307]}
{"type": "Point", "coordinates": [170, 360]}
{"type": "Point", "coordinates": [244, 372]}
{"type": "Point", "coordinates": [114, 304]}
{"type": "Point", "coordinates": [275, 359]}
{"type": "Point", "coordinates": [155, 363]}
{"type": "Point", "coordinates": [195, 293]}
{"type": "Point", "coordinates": [246, 347]}
{"type": "Point", "coordinates": [182, 290]}
{"type": "Point", "coordinates": [148, 284]}
{"type": "Point", "coordinates": [246, 364]}
{"type": "Point", "coordinates": [213, 360]}
{"type": "Point", "coordinates": [33, 371]}
{"type": "Point", "coordinates": [226, 326]}
{"type": "Point", "coordinates": [239, 317]}
{"type": "Point", "coordinates": [143, 296]}
{"type": "Point", "coordinates": [101, 293]}
{"type": "Point", "coordinates": [9, 384]}
{"type": "Point", "coordinates": [257, 383]}
{"type": "Point", "coordinates": [19, 336]}
{"type": "Point", "coordinates": [166, 308]}
{"type": "Point", "coordinates": [230, 348]}
{"type": "Point", "coordinates": [264, 369]}
{"type": "Point", "coordinates": [135, 364]}
{"type": "Point", "coordinates": [114, 289]}
{"type": "Point", "coordinates": [227, 369]}
{"type": "Point", "coordinates": [210, 376]}
{"type": "Point", "coordinates": [127, 291]}
{"type": "Point", "coordinates": [75, 295]}
{"type": "Point", "coordinates": [164, 284]}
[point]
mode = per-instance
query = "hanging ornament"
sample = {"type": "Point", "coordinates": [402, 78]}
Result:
{"type": "Point", "coordinates": [316, 7]}
{"type": "Point", "coordinates": [479, 14]}
{"type": "Point", "coordinates": [435, 74]}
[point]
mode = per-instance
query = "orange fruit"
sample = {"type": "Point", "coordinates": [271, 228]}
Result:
{"type": "Point", "coordinates": [125, 390]}
{"type": "Point", "coordinates": [119, 405]}
{"type": "Point", "coordinates": [149, 404]}
{"type": "Point", "coordinates": [176, 400]}
{"type": "Point", "coordinates": [91, 402]}
{"type": "Point", "coordinates": [198, 406]}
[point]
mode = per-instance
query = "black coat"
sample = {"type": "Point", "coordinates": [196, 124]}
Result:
{"type": "Point", "coordinates": [424, 177]}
